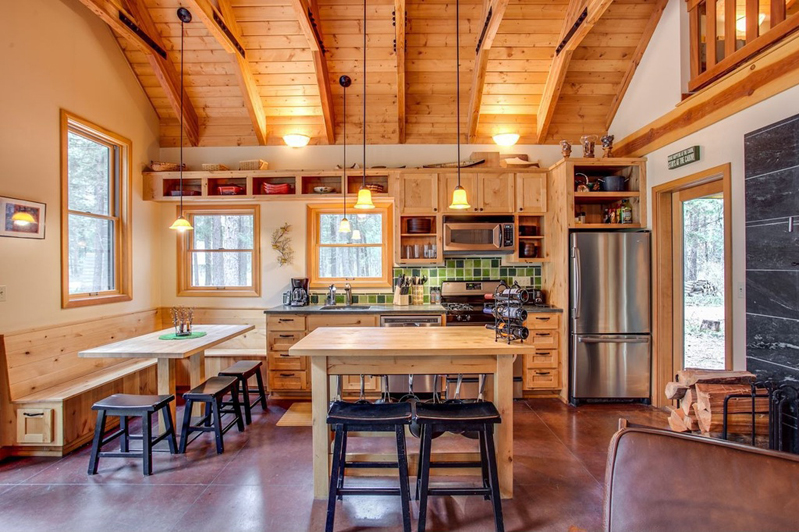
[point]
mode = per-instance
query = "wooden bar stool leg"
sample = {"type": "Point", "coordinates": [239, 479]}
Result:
{"type": "Point", "coordinates": [124, 440]}
{"type": "Point", "coordinates": [423, 429]}
{"type": "Point", "coordinates": [484, 461]}
{"type": "Point", "coordinates": [169, 427]}
{"type": "Point", "coordinates": [184, 433]}
{"type": "Point", "coordinates": [220, 444]}
{"type": "Point", "coordinates": [334, 476]}
{"type": "Point", "coordinates": [261, 390]}
{"type": "Point", "coordinates": [405, 492]}
{"type": "Point", "coordinates": [99, 429]}
{"type": "Point", "coordinates": [425, 458]}
{"type": "Point", "coordinates": [245, 392]}
{"type": "Point", "coordinates": [492, 471]}
{"type": "Point", "coordinates": [237, 408]}
{"type": "Point", "coordinates": [147, 443]}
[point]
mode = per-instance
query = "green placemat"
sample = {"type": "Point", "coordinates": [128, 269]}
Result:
{"type": "Point", "coordinates": [173, 336]}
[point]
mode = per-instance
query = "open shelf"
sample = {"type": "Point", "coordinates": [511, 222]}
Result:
{"type": "Point", "coordinates": [604, 197]}
{"type": "Point", "coordinates": [530, 239]}
{"type": "Point", "coordinates": [354, 182]}
{"type": "Point", "coordinates": [259, 189]}
{"type": "Point", "coordinates": [191, 187]}
{"type": "Point", "coordinates": [227, 186]}
{"type": "Point", "coordinates": [607, 226]}
{"type": "Point", "coordinates": [412, 246]}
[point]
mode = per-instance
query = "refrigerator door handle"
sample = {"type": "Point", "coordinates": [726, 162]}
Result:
{"type": "Point", "coordinates": [595, 340]}
{"type": "Point", "coordinates": [576, 281]}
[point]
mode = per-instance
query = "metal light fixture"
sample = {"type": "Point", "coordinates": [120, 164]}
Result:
{"type": "Point", "coordinates": [506, 139]}
{"type": "Point", "coordinates": [364, 194]}
{"type": "Point", "coordinates": [459, 199]}
{"type": "Point", "coordinates": [344, 226]}
{"type": "Point", "coordinates": [182, 225]}
{"type": "Point", "coordinates": [22, 218]}
{"type": "Point", "coordinates": [296, 141]}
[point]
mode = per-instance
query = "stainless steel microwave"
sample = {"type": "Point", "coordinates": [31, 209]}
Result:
{"type": "Point", "coordinates": [478, 235]}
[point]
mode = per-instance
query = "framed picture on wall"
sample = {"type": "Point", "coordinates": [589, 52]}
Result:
{"type": "Point", "coordinates": [22, 218]}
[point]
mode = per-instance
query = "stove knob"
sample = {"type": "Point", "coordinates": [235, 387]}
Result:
{"type": "Point", "coordinates": [468, 317]}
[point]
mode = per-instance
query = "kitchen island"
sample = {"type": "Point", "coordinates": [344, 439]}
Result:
{"type": "Point", "coordinates": [397, 351]}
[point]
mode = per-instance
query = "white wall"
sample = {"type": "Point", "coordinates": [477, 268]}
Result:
{"type": "Point", "coordinates": [56, 54]}
{"type": "Point", "coordinates": [655, 90]}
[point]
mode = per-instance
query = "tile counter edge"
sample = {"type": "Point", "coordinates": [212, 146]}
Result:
{"type": "Point", "coordinates": [384, 309]}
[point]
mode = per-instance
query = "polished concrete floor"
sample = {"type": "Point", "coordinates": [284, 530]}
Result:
{"type": "Point", "coordinates": [263, 481]}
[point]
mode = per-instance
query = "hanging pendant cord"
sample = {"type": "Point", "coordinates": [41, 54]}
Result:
{"type": "Point", "coordinates": [181, 117]}
{"type": "Point", "coordinates": [458, 82]}
{"type": "Point", "coordinates": [346, 184]}
{"type": "Point", "coordinates": [364, 93]}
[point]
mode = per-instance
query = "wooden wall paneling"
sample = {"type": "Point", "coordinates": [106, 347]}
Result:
{"type": "Point", "coordinates": [160, 66]}
{"type": "Point", "coordinates": [400, 22]}
{"type": "Point", "coordinates": [7, 416]}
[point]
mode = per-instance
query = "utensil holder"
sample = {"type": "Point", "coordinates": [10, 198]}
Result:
{"type": "Point", "coordinates": [402, 300]}
{"type": "Point", "coordinates": [417, 295]}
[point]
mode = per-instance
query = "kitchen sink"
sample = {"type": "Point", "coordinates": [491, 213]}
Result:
{"type": "Point", "coordinates": [346, 307]}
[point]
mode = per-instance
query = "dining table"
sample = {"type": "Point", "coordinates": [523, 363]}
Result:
{"type": "Point", "coordinates": [409, 350]}
{"type": "Point", "coordinates": [167, 351]}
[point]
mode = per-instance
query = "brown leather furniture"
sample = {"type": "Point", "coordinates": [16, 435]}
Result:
{"type": "Point", "coordinates": [661, 480]}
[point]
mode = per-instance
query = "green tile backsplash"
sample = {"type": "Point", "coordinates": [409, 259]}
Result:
{"type": "Point", "coordinates": [453, 269]}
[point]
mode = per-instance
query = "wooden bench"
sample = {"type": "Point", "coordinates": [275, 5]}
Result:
{"type": "Point", "coordinates": [47, 391]}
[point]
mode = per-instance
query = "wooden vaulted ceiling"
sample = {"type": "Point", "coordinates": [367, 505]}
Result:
{"type": "Point", "coordinates": [256, 70]}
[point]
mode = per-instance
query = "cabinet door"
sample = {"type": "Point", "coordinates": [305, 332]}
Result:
{"type": "Point", "coordinates": [531, 192]}
{"type": "Point", "coordinates": [419, 193]}
{"type": "Point", "coordinates": [496, 193]}
{"type": "Point", "coordinates": [469, 183]}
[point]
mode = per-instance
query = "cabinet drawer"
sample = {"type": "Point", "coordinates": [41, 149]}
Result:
{"type": "Point", "coordinates": [542, 378]}
{"type": "Point", "coordinates": [543, 321]}
{"type": "Point", "coordinates": [352, 383]}
{"type": "Point", "coordinates": [543, 358]}
{"type": "Point", "coordinates": [353, 320]}
{"type": "Point", "coordinates": [544, 339]}
{"type": "Point", "coordinates": [285, 322]}
{"type": "Point", "coordinates": [288, 380]}
{"type": "Point", "coordinates": [34, 425]}
{"type": "Point", "coordinates": [281, 341]}
{"type": "Point", "coordinates": [284, 361]}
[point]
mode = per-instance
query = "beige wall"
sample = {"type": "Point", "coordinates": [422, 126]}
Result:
{"type": "Point", "coordinates": [56, 54]}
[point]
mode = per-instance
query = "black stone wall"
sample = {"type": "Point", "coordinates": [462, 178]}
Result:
{"type": "Point", "coordinates": [772, 251]}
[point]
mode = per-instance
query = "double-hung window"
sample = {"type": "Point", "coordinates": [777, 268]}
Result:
{"type": "Point", "coordinates": [95, 214]}
{"type": "Point", "coordinates": [221, 255]}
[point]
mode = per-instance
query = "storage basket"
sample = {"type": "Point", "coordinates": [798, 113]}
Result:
{"type": "Point", "coordinates": [215, 167]}
{"type": "Point", "coordinates": [158, 166]}
{"type": "Point", "coordinates": [253, 164]}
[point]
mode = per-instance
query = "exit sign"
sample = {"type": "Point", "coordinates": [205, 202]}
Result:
{"type": "Point", "coordinates": [681, 158]}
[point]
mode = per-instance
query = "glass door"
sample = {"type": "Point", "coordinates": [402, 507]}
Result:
{"type": "Point", "coordinates": [700, 278]}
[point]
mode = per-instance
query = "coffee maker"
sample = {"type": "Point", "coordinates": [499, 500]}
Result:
{"type": "Point", "coordinates": [299, 292]}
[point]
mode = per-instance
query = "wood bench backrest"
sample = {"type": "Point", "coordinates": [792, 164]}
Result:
{"type": "Point", "coordinates": [255, 339]}
{"type": "Point", "coordinates": [41, 358]}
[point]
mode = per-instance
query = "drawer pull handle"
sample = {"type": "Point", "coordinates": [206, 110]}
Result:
{"type": "Point", "coordinates": [285, 320]}
{"type": "Point", "coordinates": [544, 353]}
{"type": "Point", "coordinates": [287, 375]}
{"type": "Point", "coordinates": [29, 414]}
{"type": "Point", "coordinates": [543, 319]}
{"type": "Point", "coordinates": [542, 334]}
{"type": "Point", "coordinates": [286, 336]}
{"type": "Point", "coordinates": [542, 372]}
{"type": "Point", "coordinates": [284, 355]}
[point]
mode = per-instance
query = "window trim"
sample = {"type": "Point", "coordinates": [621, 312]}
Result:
{"type": "Point", "coordinates": [184, 287]}
{"type": "Point", "coordinates": [120, 195]}
{"type": "Point", "coordinates": [312, 261]}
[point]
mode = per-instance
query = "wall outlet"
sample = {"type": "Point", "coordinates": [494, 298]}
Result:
{"type": "Point", "coordinates": [740, 290]}
{"type": "Point", "coordinates": [2, 293]}
{"type": "Point", "coordinates": [523, 281]}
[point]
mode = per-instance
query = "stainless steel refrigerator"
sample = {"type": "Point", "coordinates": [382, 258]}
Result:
{"type": "Point", "coordinates": [610, 325]}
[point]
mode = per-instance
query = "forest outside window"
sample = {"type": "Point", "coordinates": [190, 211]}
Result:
{"type": "Point", "coordinates": [95, 214]}
{"type": "Point", "coordinates": [220, 257]}
{"type": "Point", "coordinates": [361, 257]}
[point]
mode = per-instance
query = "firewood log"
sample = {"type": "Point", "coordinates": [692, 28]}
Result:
{"type": "Point", "coordinates": [711, 397]}
{"type": "Point", "coordinates": [691, 376]}
{"type": "Point", "coordinates": [688, 400]}
{"type": "Point", "coordinates": [675, 390]}
{"type": "Point", "coordinates": [676, 420]}
{"type": "Point", "coordinates": [736, 423]}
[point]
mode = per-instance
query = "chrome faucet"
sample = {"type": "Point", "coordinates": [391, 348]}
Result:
{"type": "Point", "coordinates": [331, 295]}
{"type": "Point", "coordinates": [348, 294]}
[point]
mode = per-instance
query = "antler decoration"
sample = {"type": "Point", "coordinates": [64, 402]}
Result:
{"type": "Point", "coordinates": [281, 242]}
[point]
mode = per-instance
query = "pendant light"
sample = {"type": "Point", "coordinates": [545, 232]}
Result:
{"type": "Point", "coordinates": [182, 225]}
{"type": "Point", "coordinates": [344, 227]}
{"type": "Point", "coordinates": [364, 194]}
{"type": "Point", "coordinates": [459, 199]}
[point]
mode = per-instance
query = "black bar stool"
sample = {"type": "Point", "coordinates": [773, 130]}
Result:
{"type": "Point", "coordinates": [125, 406]}
{"type": "Point", "coordinates": [212, 393]}
{"type": "Point", "coordinates": [478, 417]}
{"type": "Point", "coordinates": [374, 418]}
{"type": "Point", "coordinates": [243, 370]}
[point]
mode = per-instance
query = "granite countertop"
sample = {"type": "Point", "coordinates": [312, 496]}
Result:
{"type": "Point", "coordinates": [359, 309]}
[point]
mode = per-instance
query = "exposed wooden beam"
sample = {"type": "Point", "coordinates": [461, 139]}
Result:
{"type": "Point", "coordinates": [493, 12]}
{"type": "Point", "coordinates": [636, 60]}
{"type": "Point", "coordinates": [137, 27]}
{"type": "Point", "coordinates": [307, 17]}
{"type": "Point", "coordinates": [222, 25]}
{"type": "Point", "coordinates": [580, 19]}
{"type": "Point", "coordinates": [772, 72]}
{"type": "Point", "coordinates": [399, 48]}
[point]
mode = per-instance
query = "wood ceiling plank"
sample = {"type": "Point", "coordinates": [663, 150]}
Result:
{"type": "Point", "coordinates": [223, 26]}
{"type": "Point", "coordinates": [304, 14]}
{"type": "Point", "coordinates": [561, 61]}
{"type": "Point", "coordinates": [399, 48]}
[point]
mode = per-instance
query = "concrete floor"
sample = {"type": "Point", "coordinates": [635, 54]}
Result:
{"type": "Point", "coordinates": [263, 481]}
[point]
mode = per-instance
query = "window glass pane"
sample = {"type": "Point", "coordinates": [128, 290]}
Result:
{"type": "Point", "coordinates": [228, 268]}
{"type": "Point", "coordinates": [370, 225]}
{"type": "Point", "coordinates": [91, 254]}
{"type": "Point", "coordinates": [223, 231]}
{"type": "Point", "coordinates": [88, 175]}
{"type": "Point", "coordinates": [357, 262]}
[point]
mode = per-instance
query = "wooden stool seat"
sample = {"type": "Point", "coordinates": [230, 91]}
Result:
{"type": "Point", "coordinates": [242, 371]}
{"type": "Point", "coordinates": [126, 401]}
{"type": "Point", "coordinates": [212, 393]}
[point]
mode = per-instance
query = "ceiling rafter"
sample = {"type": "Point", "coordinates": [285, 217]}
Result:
{"type": "Point", "coordinates": [308, 15]}
{"type": "Point", "coordinates": [580, 19]}
{"type": "Point", "coordinates": [222, 25]}
{"type": "Point", "coordinates": [137, 27]}
{"type": "Point", "coordinates": [493, 13]}
{"type": "Point", "coordinates": [400, 17]}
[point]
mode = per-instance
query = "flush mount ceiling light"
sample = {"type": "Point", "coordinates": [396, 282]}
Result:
{"type": "Point", "coordinates": [181, 225]}
{"type": "Point", "coordinates": [459, 199]}
{"type": "Point", "coordinates": [506, 139]}
{"type": "Point", "coordinates": [364, 194]}
{"type": "Point", "coordinates": [344, 226]}
{"type": "Point", "coordinates": [22, 218]}
{"type": "Point", "coordinates": [296, 141]}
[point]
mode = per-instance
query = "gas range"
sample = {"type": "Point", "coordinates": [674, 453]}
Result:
{"type": "Point", "coordinates": [464, 302]}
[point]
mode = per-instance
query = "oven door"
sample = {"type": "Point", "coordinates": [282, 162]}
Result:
{"type": "Point", "coordinates": [472, 237]}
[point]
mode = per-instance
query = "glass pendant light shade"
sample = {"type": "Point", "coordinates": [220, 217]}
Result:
{"type": "Point", "coordinates": [344, 226]}
{"type": "Point", "coordinates": [22, 218]}
{"type": "Point", "coordinates": [459, 200]}
{"type": "Point", "coordinates": [356, 235]}
{"type": "Point", "coordinates": [181, 224]}
{"type": "Point", "coordinates": [364, 199]}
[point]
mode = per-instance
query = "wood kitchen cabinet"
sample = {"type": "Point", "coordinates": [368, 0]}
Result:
{"type": "Point", "coordinates": [496, 193]}
{"type": "Point", "coordinates": [531, 192]}
{"type": "Point", "coordinates": [542, 369]}
{"type": "Point", "coordinates": [418, 193]}
{"type": "Point", "coordinates": [468, 182]}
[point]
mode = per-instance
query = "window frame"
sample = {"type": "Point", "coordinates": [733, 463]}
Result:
{"type": "Point", "coordinates": [120, 211]}
{"type": "Point", "coordinates": [313, 245]}
{"type": "Point", "coordinates": [184, 262]}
